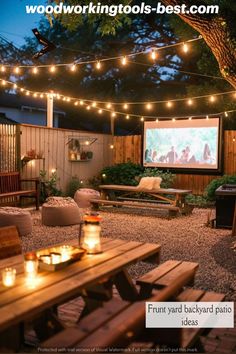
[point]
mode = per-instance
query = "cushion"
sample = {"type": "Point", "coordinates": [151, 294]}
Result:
{"type": "Point", "coordinates": [149, 183]}
{"type": "Point", "coordinates": [20, 218]}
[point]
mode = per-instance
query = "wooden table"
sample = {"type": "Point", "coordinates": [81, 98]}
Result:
{"type": "Point", "coordinates": [171, 198]}
{"type": "Point", "coordinates": [22, 303]}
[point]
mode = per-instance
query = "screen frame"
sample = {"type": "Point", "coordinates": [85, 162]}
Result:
{"type": "Point", "coordinates": [195, 171]}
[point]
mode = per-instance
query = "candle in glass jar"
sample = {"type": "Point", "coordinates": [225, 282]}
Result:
{"type": "Point", "coordinates": [65, 252]}
{"type": "Point", "coordinates": [31, 265]}
{"type": "Point", "coordinates": [55, 257]}
{"type": "Point", "coordinates": [92, 233]}
{"type": "Point", "coordinates": [8, 276]}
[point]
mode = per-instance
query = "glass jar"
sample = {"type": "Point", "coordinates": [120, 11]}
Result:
{"type": "Point", "coordinates": [92, 234]}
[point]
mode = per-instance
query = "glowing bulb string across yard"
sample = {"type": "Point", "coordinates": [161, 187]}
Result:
{"type": "Point", "coordinates": [108, 107]}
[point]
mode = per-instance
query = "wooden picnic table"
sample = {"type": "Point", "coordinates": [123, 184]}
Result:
{"type": "Point", "coordinates": [22, 303]}
{"type": "Point", "coordinates": [170, 199]}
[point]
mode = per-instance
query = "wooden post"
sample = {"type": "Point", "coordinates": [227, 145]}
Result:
{"type": "Point", "coordinates": [50, 110]}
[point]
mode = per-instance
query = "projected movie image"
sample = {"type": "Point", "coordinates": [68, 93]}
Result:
{"type": "Point", "coordinates": [183, 144]}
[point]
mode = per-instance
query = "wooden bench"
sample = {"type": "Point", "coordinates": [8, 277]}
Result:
{"type": "Point", "coordinates": [119, 323]}
{"type": "Point", "coordinates": [164, 274]}
{"type": "Point", "coordinates": [167, 197]}
{"type": "Point", "coordinates": [11, 187]}
{"type": "Point", "coordinates": [171, 209]}
{"type": "Point", "coordinates": [10, 243]}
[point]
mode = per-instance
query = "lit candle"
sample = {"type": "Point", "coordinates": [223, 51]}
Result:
{"type": "Point", "coordinates": [31, 265]}
{"type": "Point", "coordinates": [8, 276]}
{"type": "Point", "coordinates": [56, 257]}
{"type": "Point", "coordinates": [65, 252]}
{"type": "Point", "coordinates": [45, 258]}
{"type": "Point", "coordinates": [92, 234]}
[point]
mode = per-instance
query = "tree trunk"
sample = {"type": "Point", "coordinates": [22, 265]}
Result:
{"type": "Point", "coordinates": [216, 32]}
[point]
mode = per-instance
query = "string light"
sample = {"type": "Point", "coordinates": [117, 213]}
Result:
{"type": "Point", "coordinates": [190, 118]}
{"type": "Point", "coordinates": [3, 69]}
{"type": "Point", "coordinates": [100, 111]}
{"type": "Point", "coordinates": [22, 90]}
{"type": "Point", "coordinates": [212, 99]}
{"type": "Point", "coordinates": [88, 108]}
{"type": "Point", "coordinates": [52, 69]}
{"type": "Point", "coordinates": [27, 93]}
{"type": "Point", "coordinates": [108, 106]}
{"type": "Point", "coordinates": [41, 95]}
{"type": "Point", "coordinates": [94, 104]}
{"type": "Point", "coordinates": [35, 95]}
{"type": "Point", "coordinates": [15, 86]}
{"type": "Point", "coordinates": [153, 54]}
{"type": "Point", "coordinates": [226, 114]}
{"type": "Point", "coordinates": [17, 70]}
{"type": "Point", "coordinates": [73, 68]}
{"type": "Point", "coordinates": [98, 65]}
{"type": "Point", "coordinates": [148, 106]}
{"type": "Point", "coordinates": [185, 48]}
{"type": "Point", "coordinates": [234, 139]}
{"type": "Point", "coordinates": [35, 70]}
{"type": "Point", "coordinates": [112, 146]}
{"type": "Point", "coordinates": [125, 106]}
{"type": "Point", "coordinates": [113, 114]}
{"type": "Point", "coordinates": [173, 119]}
{"type": "Point", "coordinates": [81, 102]}
{"type": "Point", "coordinates": [124, 60]}
{"type": "Point", "coordinates": [207, 117]}
{"type": "Point", "coordinates": [127, 116]}
{"type": "Point", "coordinates": [68, 99]}
{"type": "Point", "coordinates": [3, 83]}
{"type": "Point", "coordinates": [157, 120]}
{"type": "Point", "coordinates": [142, 119]}
{"type": "Point", "coordinates": [190, 102]}
{"type": "Point", "coordinates": [169, 104]}
{"type": "Point", "coordinates": [76, 103]}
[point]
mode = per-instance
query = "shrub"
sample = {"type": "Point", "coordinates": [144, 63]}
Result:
{"type": "Point", "coordinates": [216, 183]}
{"type": "Point", "coordinates": [48, 186]}
{"type": "Point", "coordinates": [123, 173]}
{"type": "Point", "coordinates": [72, 186]}
{"type": "Point", "coordinates": [167, 177]}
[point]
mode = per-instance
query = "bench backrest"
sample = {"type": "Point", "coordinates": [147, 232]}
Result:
{"type": "Point", "coordinates": [9, 182]}
{"type": "Point", "coordinates": [10, 243]}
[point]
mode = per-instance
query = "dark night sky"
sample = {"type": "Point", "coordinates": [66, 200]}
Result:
{"type": "Point", "coordinates": [15, 24]}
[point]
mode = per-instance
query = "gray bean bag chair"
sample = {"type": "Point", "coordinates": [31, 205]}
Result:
{"type": "Point", "coordinates": [10, 216]}
{"type": "Point", "coordinates": [59, 211]}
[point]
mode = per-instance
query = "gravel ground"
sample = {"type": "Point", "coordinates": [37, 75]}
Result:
{"type": "Point", "coordinates": [182, 238]}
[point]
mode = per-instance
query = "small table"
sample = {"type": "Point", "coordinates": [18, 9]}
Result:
{"type": "Point", "coordinates": [22, 303]}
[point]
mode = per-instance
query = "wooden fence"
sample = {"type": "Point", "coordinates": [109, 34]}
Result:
{"type": "Point", "coordinates": [52, 144]}
{"type": "Point", "coordinates": [128, 148]}
{"type": "Point", "coordinates": [9, 147]}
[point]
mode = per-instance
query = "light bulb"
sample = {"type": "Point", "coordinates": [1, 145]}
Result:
{"type": "Point", "coordinates": [113, 114]}
{"type": "Point", "coordinates": [127, 117]}
{"type": "Point", "coordinates": [100, 111]}
{"type": "Point", "coordinates": [190, 102]}
{"type": "Point", "coordinates": [125, 106]}
{"type": "Point", "coordinates": [212, 99]}
{"type": "Point", "coordinates": [94, 104]}
{"type": "Point", "coordinates": [207, 117]}
{"type": "Point", "coordinates": [73, 68]}
{"type": "Point", "coordinates": [109, 105]}
{"type": "Point", "coordinates": [88, 108]}
{"type": "Point", "coordinates": [27, 93]}
{"type": "Point", "coordinates": [52, 69]}
{"type": "Point", "coordinates": [169, 104]}
{"type": "Point", "coordinates": [3, 69]}
{"type": "Point", "coordinates": [111, 146]}
{"type": "Point", "coordinates": [190, 118]}
{"type": "Point", "coordinates": [142, 119]}
{"type": "Point", "coordinates": [35, 70]}
{"type": "Point", "coordinates": [157, 120]}
{"type": "Point", "coordinates": [68, 99]}
{"type": "Point", "coordinates": [153, 54]}
{"type": "Point", "coordinates": [173, 119]}
{"type": "Point", "coordinates": [17, 70]}
{"type": "Point", "coordinates": [41, 95]}
{"type": "Point", "coordinates": [76, 103]}
{"type": "Point", "coordinates": [35, 95]}
{"type": "Point", "coordinates": [63, 99]}
{"type": "Point", "coordinates": [124, 60]}
{"type": "Point", "coordinates": [149, 106]}
{"type": "Point", "coordinates": [81, 102]}
{"type": "Point", "coordinates": [98, 65]}
{"type": "Point", "coordinates": [15, 86]}
{"type": "Point", "coordinates": [22, 90]}
{"type": "Point", "coordinates": [185, 48]}
{"type": "Point", "coordinates": [3, 83]}
{"type": "Point", "coordinates": [226, 114]}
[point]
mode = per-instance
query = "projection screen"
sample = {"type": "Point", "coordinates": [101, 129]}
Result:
{"type": "Point", "coordinates": [182, 144]}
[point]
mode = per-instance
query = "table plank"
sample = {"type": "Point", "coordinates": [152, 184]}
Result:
{"type": "Point", "coordinates": [48, 278]}
{"type": "Point", "coordinates": [108, 264]}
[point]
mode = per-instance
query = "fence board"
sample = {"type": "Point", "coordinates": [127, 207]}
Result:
{"type": "Point", "coordinates": [129, 148]}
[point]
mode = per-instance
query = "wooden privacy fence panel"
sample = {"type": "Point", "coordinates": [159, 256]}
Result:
{"type": "Point", "coordinates": [53, 144]}
{"type": "Point", "coordinates": [9, 145]}
{"type": "Point", "coordinates": [128, 148]}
